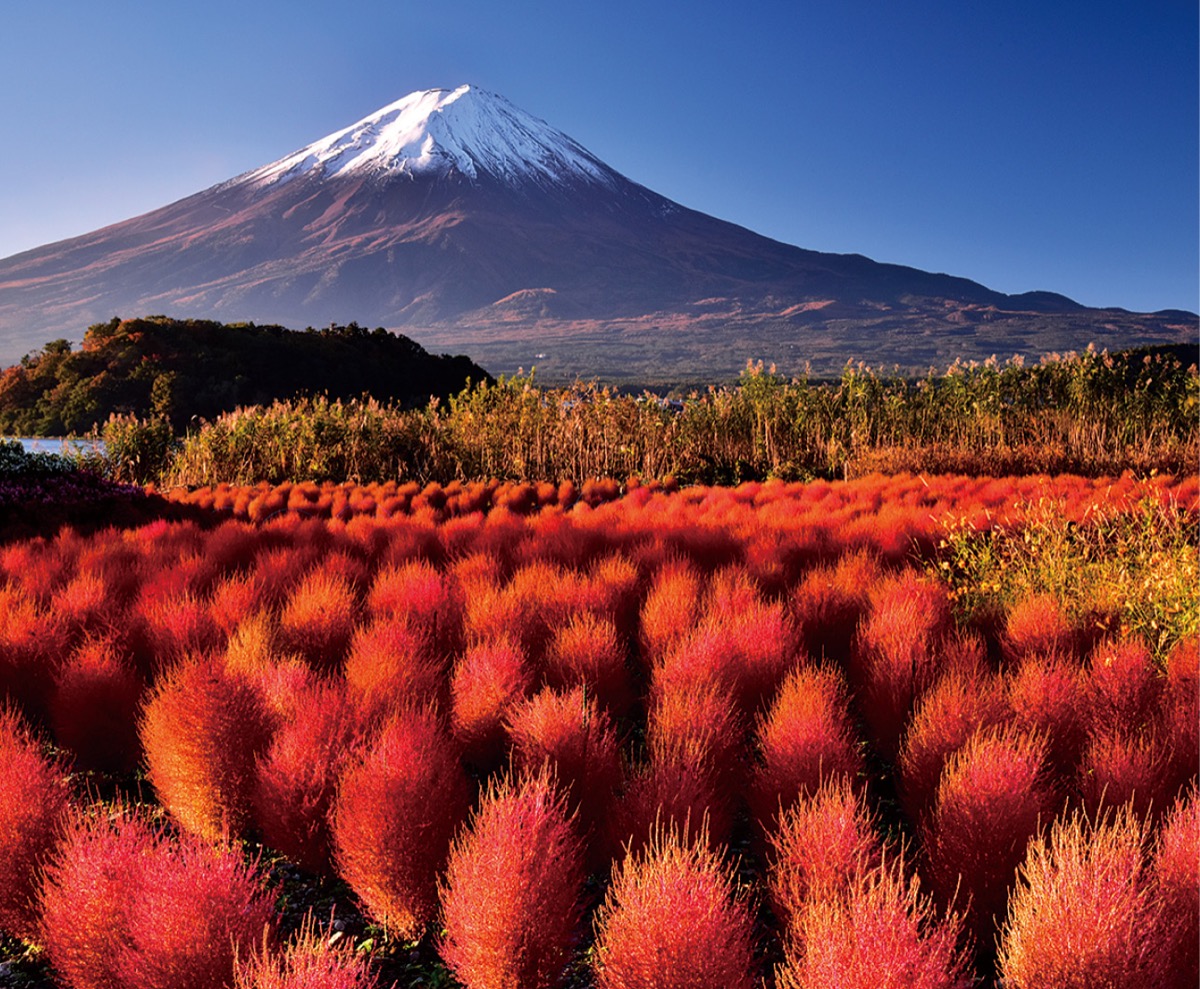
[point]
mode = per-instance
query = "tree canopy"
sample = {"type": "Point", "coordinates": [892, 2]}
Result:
{"type": "Point", "coordinates": [182, 369]}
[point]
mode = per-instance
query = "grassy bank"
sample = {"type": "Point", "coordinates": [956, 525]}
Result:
{"type": "Point", "coordinates": [1090, 414]}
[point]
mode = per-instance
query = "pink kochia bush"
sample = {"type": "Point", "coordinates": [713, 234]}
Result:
{"type": "Point", "coordinates": [33, 807]}
{"type": "Point", "coordinates": [881, 933]}
{"type": "Point", "coordinates": [993, 797]}
{"type": "Point", "coordinates": [398, 804]}
{"type": "Point", "coordinates": [511, 895]}
{"type": "Point", "coordinates": [1082, 912]}
{"type": "Point", "coordinates": [823, 841]}
{"type": "Point", "coordinates": [124, 906]}
{"type": "Point", "coordinates": [1177, 887]}
{"type": "Point", "coordinates": [674, 920]}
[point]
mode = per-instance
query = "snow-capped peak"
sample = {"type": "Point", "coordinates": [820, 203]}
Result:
{"type": "Point", "coordinates": [435, 131]}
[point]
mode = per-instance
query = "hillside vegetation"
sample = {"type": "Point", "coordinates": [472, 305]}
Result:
{"type": "Point", "coordinates": [176, 369]}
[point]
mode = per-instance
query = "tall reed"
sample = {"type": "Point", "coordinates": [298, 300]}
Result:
{"type": "Point", "coordinates": [1093, 412]}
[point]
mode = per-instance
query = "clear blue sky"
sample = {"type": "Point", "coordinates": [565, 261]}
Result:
{"type": "Point", "coordinates": [1027, 145]}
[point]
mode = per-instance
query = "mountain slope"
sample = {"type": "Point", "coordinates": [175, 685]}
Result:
{"type": "Point", "coordinates": [470, 225]}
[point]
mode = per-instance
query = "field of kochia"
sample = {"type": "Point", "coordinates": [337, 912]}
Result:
{"type": "Point", "coordinates": [896, 732]}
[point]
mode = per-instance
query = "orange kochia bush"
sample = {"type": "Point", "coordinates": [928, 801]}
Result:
{"type": "Point", "coordinates": [513, 885]}
{"type": "Point", "coordinates": [202, 731]}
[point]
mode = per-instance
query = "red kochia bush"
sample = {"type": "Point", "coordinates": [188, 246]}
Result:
{"type": "Point", "coordinates": [1082, 911]}
{"type": "Point", "coordinates": [33, 806]}
{"type": "Point", "coordinates": [673, 920]}
{"type": "Point", "coordinates": [234, 599]}
{"type": "Point", "coordinates": [1177, 886]}
{"type": "Point", "coordinates": [587, 652]}
{"type": "Point", "coordinates": [532, 602]}
{"type": "Point", "coordinates": [673, 792]}
{"type": "Point", "coordinates": [671, 608]}
{"type": "Point", "coordinates": [1037, 626]}
{"type": "Point", "coordinates": [829, 603]}
{"type": "Point", "coordinates": [297, 775]}
{"type": "Point", "coordinates": [896, 657]}
{"type": "Point", "coordinates": [488, 682]}
{"type": "Point", "coordinates": [391, 666]}
{"type": "Point", "coordinates": [758, 636]}
{"type": "Point", "coordinates": [318, 619]}
{"type": "Point", "coordinates": [195, 911]}
{"type": "Point", "coordinates": [93, 709]}
{"type": "Point", "coordinates": [880, 934]}
{"type": "Point", "coordinates": [124, 906]}
{"type": "Point", "coordinates": [173, 626]}
{"type": "Point", "coordinates": [278, 570]}
{"type": "Point", "coordinates": [804, 738]}
{"type": "Point", "coordinates": [992, 798]}
{"type": "Point", "coordinates": [575, 735]}
{"type": "Point", "coordinates": [31, 645]}
{"type": "Point", "coordinates": [1181, 710]}
{"type": "Point", "coordinates": [748, 652]}
{"type": "Point", "coordinates": [419, 597]}
{"type": "Point", "coordinates": [397, 806]}
{"type": "Point", "coordinates": [510, 900]}
{"type": "Point", "coordinates": [694, 768]}
{"type": "Point", "coordinates": [202, 730]}
{"type": "Point", "coordinates": [1047, 695]}
{"type": "Point", "coordinates": [821, 843]}
{"type": "Point", "coordinates": [697, 720]}
{"type": "Point", "coordinates": [1123, 686]}
{"type": "Point", "coordinates": [615, 592]}
{"type": "Point", "coordinates": [959, 704]}
{"type": "Point", "coordinates": [86, 892]}
{"type": "Point", "coordinates": [83, 603]}
{"type": "Point", "coordinates": [1125, 767]}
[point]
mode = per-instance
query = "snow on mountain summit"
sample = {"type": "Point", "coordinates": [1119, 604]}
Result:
{"type": "Point", "coordinates": [436, 131]}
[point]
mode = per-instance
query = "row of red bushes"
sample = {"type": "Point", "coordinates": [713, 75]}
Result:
{"type": "Point", "coordinates": [697, 679]}
{"type": "Point", "coordinates": [937, 495]}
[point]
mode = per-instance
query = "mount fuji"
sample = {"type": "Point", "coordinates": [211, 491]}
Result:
{"type": "Point", "coordinates": [468, 224]}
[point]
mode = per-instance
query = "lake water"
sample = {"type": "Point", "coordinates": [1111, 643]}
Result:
{"type": "Point", "coordinates": [56, 444]}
